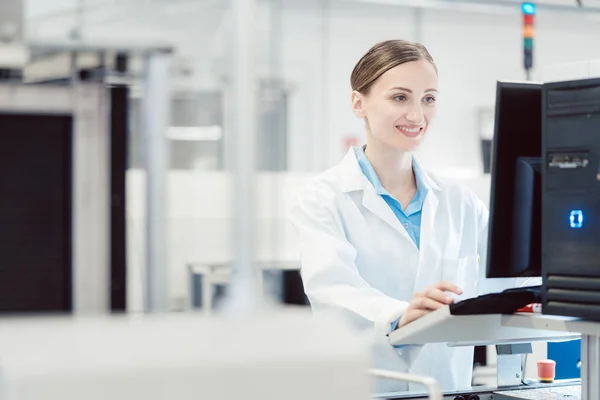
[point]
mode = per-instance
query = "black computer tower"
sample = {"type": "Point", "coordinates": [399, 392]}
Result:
{"type": "Point", "coordinates": [571, 198]}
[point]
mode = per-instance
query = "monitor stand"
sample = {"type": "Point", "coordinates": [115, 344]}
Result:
{"type": "Point", "coordinates": [510, 370]}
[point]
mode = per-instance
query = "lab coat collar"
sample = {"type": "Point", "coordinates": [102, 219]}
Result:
{"type": "Point", "coordinates": [353, 179]}
{"type": "Point", "coordinates": [351, 176]}
{"type": "Point", "coordinates": [427, 181]}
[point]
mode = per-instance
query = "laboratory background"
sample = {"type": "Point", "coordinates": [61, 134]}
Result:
{"type": "Point", "coordinates": [151, 150]}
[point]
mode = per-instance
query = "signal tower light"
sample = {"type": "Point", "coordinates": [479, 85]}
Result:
{"type": "Point", "coordinates": [528, 10]}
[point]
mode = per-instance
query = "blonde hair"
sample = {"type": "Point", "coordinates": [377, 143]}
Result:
{"type": "Point", "coordinates": [383, 57]}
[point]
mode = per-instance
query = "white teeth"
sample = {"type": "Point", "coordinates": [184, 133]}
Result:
{"type": "Point", "coordinates": [413, 130]}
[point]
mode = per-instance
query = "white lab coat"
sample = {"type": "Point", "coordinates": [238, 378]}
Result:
{"type": "Point", "coordinates": [358, 259]}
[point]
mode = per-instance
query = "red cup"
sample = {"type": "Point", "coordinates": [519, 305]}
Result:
{"type": "Point", "coordinates": [546, 370]}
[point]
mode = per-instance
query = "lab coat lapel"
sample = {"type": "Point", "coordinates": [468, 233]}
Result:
{"type": "Point", "coordinates": [430, 206]}
{"type": "Point", "coordinates": [352, 179]}
{"type": "Point", "coordinates": [428, 212]}
{"type": "Point", "coordinates": [429, 272]}
{"type": "Point", "coordinates": [377, 205]}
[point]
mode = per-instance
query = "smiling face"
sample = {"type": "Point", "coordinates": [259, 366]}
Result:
{"type": "Point", "coordinates": [400, 105]}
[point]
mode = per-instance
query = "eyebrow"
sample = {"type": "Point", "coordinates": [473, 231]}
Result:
{"type": "Point", "coordinates": [410, 91]}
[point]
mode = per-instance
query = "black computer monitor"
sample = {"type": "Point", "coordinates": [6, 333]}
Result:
{"type": "Point", "coordinates": [514, 242]}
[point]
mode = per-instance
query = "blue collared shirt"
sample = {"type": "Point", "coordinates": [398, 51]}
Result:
{"type": "Point", "coordinates": [410, 218]}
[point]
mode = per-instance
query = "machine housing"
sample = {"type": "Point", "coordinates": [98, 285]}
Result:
{"type": "Point", "coordinates": [571, 198]}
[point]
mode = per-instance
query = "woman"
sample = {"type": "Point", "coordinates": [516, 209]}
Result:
{"type": "Point", "coordinates": [382, 240]}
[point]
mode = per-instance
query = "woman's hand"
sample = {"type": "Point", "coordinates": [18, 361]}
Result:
{"type": "Point", "coordinates": [431, 299]}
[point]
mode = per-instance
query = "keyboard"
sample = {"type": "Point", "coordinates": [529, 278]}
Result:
{"type": "Point", "coordinates": [549, 393]}
{"type": "Point", "coordinates": [506, 302]}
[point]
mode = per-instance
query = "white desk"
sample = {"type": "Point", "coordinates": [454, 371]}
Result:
{"type": "Point", "coordinates": [488, 329]}
{"type": "Point", "coordinates": [475, 330]}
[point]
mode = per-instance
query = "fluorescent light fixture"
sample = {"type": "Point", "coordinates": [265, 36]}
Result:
{"type": "Point", "coordinates": [194, 133]}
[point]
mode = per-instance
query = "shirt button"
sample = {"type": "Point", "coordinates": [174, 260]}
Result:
{"type": "Point", "coordinates": [406, 225]}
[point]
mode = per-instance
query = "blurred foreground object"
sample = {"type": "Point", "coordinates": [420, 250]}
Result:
{"type": "Point", "coordinates": [183, 356]}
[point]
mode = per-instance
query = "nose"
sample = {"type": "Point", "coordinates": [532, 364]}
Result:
{"type": "Point", "coordinates": [415, 115]}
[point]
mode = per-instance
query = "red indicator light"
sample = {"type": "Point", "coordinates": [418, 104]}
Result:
{"type": "Point", "coordinates": [528, 19]}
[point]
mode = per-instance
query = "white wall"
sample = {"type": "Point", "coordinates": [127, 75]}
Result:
{"type": "Point", "coordinates": [199, 219]}
{"type": "Point", "coordinates": [314, 47]}
{"type": "Point", "coordinates": [472, 51]}
{"type": "Point", "coordinates": [320, 46]}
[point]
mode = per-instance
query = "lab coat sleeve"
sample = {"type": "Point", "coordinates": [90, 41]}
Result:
{"type": "Point", "coordinates": [493, 285]}
{"type": "Point", "coordinates": [329, 274]}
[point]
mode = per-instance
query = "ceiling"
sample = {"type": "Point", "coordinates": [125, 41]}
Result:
{"type": "Point", "coordinates": [141, 18]}
{"type": "Point", "coordinates": [177, 17]}
{"type": "Point", "coordinates": [202, 28]}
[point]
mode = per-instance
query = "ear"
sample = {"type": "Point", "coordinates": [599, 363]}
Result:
{"type": "Point", "coordinates": [358, 106]}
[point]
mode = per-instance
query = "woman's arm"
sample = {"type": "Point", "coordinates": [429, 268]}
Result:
{"type": "Point", "coordinates": [329, 273]}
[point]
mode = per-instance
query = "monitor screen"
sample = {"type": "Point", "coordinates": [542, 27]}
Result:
{"type": "Point", "coordinates": [515, 199]}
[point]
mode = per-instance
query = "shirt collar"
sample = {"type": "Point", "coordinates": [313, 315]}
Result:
{"type": "Point", "coordinates": [352, 178]}
{"type": "Point", "coordinates": [369, 172]}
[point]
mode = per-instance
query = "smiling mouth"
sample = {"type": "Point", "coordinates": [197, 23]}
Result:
{"type": "Point", "coordinates": [410, 132]}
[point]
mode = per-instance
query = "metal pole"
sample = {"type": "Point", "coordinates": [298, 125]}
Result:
{"type": "Point", "coordinates": [245, 283]}
{"type": "Point", "coordinates": [590, 367]}
{"type": "Point", "coordinates": [321, 144]}
{"type": "Point", "coordinates": [433, 387]}
{"type": "Point", "coordinates": [418, 25]}
{"type": "Point", "coordinates": [11, 20]}
{"type": "Point", "coordinates": [156, 117]}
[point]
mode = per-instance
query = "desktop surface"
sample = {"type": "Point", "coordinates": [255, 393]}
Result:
{"type": "Point", "coordinates": [572, 392]}
{"type": "Point", "coordinates": [567, 389]}
{"type": "Point", "coordinates": [441, 326]}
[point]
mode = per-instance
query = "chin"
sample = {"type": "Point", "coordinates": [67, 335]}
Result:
{"type": "Point", "coordinates": [407, 144]}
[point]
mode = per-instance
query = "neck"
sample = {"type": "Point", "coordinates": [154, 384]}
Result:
{"type": "Point", "coordinates": [393, 167]}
